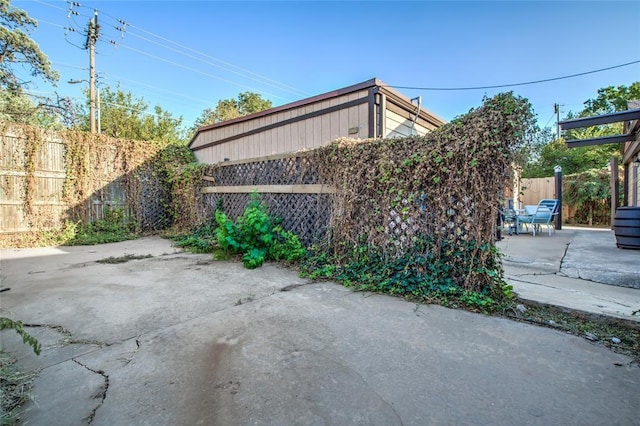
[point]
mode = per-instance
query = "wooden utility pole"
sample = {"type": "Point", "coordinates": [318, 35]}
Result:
{"type": "Point", "coordinates": [90, 45]}
{"type": "Point", "coordinates": [556, 109]}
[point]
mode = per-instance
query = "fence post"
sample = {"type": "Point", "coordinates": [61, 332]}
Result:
{"type": "Point", "coordinates": [615, 194]}
{"type": "Point", "coordinates": [558, 175]}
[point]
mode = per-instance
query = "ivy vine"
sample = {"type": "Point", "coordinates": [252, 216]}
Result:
{"type": "Point", "coordinates": [430, 201]}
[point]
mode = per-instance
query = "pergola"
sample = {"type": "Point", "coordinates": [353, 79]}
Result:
{"type": "Point", "coordinates": [630, 138]}
{"type": "Point", "coordinates": [614, 117]}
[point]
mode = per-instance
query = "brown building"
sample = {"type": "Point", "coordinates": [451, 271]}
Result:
{"type": "Point", "coordinates": [365, 110]}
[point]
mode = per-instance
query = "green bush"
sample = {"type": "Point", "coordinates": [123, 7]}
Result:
{"type": "Point", "coordinates": [256, 236]}
{"type": "Point", "coordinates": [201, 240]}
{"type": "Point", "coordinates": [113, 228]}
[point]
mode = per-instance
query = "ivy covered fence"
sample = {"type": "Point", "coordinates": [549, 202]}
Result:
{"type": "Point", "coordinates": [417, 215]}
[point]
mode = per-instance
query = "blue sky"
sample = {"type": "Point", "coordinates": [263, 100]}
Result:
{"type": "Point", "coordinates": [186, 55]}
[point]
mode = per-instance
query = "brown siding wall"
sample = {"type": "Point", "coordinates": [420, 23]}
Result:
{"type": "Point", "coordinates": [292, 137]}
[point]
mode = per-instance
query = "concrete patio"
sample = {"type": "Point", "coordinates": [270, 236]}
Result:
{"type": "Point", "coordinates": [177, 339]}
{"type": "Point", "coordinates": [576, 268]}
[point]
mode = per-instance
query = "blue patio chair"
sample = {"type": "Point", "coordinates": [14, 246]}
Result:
{"type": "Point", "coordinates": [508, 215]}
{"type": "Point", "coordinates": [544, 214]}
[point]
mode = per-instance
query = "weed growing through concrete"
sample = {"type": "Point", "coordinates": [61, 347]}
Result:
{"type": "Point", "coordinates": [15, 388]}
{"type": "Point", "coordinates": [123, 259]}
{"type": "Point", "coordinates": [600, 330]}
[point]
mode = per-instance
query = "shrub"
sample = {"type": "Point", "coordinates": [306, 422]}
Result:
{"type": "Point", "coordinates": [256, 236]}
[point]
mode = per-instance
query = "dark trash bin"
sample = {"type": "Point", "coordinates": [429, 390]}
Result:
{"type": "Point", "coordinates": [626, 227]}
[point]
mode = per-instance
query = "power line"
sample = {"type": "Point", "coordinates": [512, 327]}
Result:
{"type": "Point", "coordinates": [180, 52]}
{"type": "Point", "coordinates": [225, 65]}
{"type": "Point", "coordinates": [65, 65]}
{"type": "Point", "coordinates": [550, 118]}
{"type": "Point", "coordinates": [50, 5]}
{"type": "Point", "coordinates": [266, 79]}
{"type": "Point", "coordinates": [158, 89]}
{"type": "Point", "coordinates": [499, 86]}
{"type": "Point", "coordinates": [121, 27]}
{"type": "Point", "coordinates": [199, 71]}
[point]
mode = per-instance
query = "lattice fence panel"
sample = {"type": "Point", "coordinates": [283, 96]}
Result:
{"type": "Point", "coordinates": [283, 171]}
{"type": "Point", "coordinates": [307, 215]}
{"type": "Point", "coordinates": [150, 205]}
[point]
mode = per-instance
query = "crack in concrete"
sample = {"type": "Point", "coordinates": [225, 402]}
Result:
{"type": "Point", "coordinates": [251, 298]}
{"type": "Point", "coordinates": [357, 373]}
{"type": "Point", "coordinates": [566, 249]}
{"type": "Point", "coordinates": [294, 286]}
{"type": "Point", "coordinates": [128, 359]}
{"type": "Point", "coordinates": [68, 338]}
{"type": "Point", "coordinates": [102, 394]}
{"type": "Point", "coordinates": [533, 274]}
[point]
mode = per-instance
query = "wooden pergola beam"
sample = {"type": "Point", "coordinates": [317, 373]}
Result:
{"type": "Point", "coordinates": [614, 117]}
{"type": "Point", "coordinates": [574, 143]}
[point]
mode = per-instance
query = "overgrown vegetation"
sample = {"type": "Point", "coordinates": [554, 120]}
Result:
{"type": "Point", "coordinates": [416, 216]}
{"type": "Point", "coordinates": [9, 324]}
{"type": "Point", "coordinates": [417, 274]}
{"type": "Point", "coordinates": [14, 384]}
{"type": "Point", "coordinates": [183, 182]}
{"type": "Point", "coordinates": [113, 228]}
{"type": "Point", "coordinates": [256, 236]}
{"type": "Point", "coordinates": [202, 239]}
{"type": "Point", "coordinates": [15, 387]}
{"type": "Point", "coordinates": [97, 168]}
{"type": "Point", "coordinates": [618, 335]}
{"type": "Point", "coordinates": [588, 196]}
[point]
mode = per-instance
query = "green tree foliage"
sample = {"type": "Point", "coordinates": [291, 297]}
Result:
{"type": "Point", "coordinates": [572, 160]}
{"type": "Point", "coordinates": [17, 107]}
{"type": "Point", "coordinates": [228, 109]}
{"type": "Point", "coordinates": [18, 50]}
{"type": "Point", "coordinates": [611, 99]}
{"type": "Point", "coordinates": [577, 160]}
{"type": "Point", "coordinates": [125, 116]}
{"type": "Point", "coordinates": [589, 192]}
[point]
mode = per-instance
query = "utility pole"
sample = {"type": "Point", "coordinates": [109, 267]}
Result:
{"type": "Point", "coordinates": [556, 109]}
{"type": "Point", "coordinates": [90, 45]}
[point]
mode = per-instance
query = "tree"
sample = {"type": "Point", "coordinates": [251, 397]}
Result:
{"type": "Point", "coordinates": [17, 49]}
{"type": "Point", "coordinates": [611, 99]}
{"type": "Point", "coordinates": [228, 109]}
{"type": "Point", "coordinates": [577, 160]}
{"type": "Point", "coordinates": [41, 111]}
{"type": "Point", "coordinates": [124, 116]}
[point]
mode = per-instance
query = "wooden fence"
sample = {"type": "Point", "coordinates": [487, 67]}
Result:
{"type": "Point", "coordinates": [535, 189]}
{"type": "Point", "coordinates": [33, 176]}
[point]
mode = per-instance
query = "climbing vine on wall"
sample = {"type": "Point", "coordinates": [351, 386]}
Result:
{"type": "Point", "coordinates": [143, 173]}
{"type": "Point", "coordinates": [430, 199]}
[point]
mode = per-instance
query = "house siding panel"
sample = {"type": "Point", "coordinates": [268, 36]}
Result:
{"type": "Point", "coordinates": [398, 126]}
{"type": "Point", "coordinates": [307, 133]}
